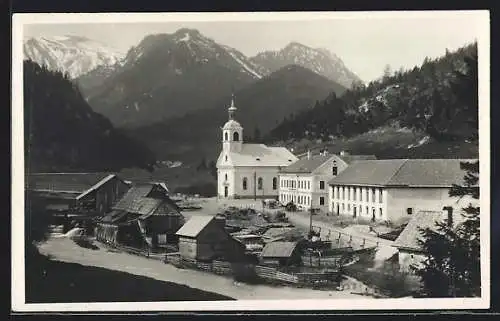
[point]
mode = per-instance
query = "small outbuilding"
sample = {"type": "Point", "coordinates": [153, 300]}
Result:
{"type": "Point", "coordinates": [204, 238]}
{"type": "Point", "coordinates": [281, 254]}
{"type": "Point", "coordinates": [145, 215]}
{"type": "Point", "coordinates": [410, 252]}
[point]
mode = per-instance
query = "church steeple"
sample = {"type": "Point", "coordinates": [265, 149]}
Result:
{"type": "Point", "coordinates": [232, 109]}
{"type": "Point", "coordinates": [232, 132]}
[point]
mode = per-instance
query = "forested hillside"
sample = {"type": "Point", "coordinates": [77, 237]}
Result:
{"type": "Point", "coordinates": [62, 133]}
{"type": "Point", "coordinates": [437, 99]}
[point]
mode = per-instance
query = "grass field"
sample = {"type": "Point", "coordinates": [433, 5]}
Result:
{"type": "Point", "coordinates": [50, 281]}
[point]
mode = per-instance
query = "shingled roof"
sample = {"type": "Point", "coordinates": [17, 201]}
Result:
{"type": "Point", "coordinates": [403, 172]}
{"type": "Point", "coordinates": [65, 182]}
{"type": "Point", "coordinates": [262, 155]}
{"type": "Point", "coordinates": [307, 165]}
{"type": "Point", "coordinates": [408, 239]}
{"type": "Point", "coordinates": [194, 225]}
{"type": "Point", "coordinates": [137, 200]}
{"type": "Point", "coordinates": [278, 249]}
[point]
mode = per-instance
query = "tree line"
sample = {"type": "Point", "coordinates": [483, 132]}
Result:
{"type": "Point", "coordinates": [63, 133]}
{"type": "Point", "coordinates": [439, 98]}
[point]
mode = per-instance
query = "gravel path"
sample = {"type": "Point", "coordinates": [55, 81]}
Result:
{"type": "Point", "coordinates": [65, 250]}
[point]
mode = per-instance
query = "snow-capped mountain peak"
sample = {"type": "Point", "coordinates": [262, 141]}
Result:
{"type": "Point", "coordinates": [194, 48]}
{"type": "Point", "coordinates": [74, 55]}
{"type": "Point", "coordinates": [319, 60]}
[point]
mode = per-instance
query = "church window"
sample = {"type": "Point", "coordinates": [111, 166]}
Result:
{"type": "Point", "coordinates": [236, 136]}
{"type": "Point", "coordinates": [244, 183]}
{"type": "Point", "coordinates": [225, 158]}
{"type": "Point", "coordinates": [225, 177]}
{"type": "Point", "coordinates": [260, 183]}
{"type": "Point", "coordinates": [275, 183]}
{"type": "Point", "coordinates": [225, 136]}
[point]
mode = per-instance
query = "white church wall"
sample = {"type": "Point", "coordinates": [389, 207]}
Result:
{"type": "Point", "coordinates": [252, 174]}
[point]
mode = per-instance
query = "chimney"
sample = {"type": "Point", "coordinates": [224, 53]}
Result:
{"type": "Point", "coordinates": [308, 154]}
{"type": "Point", "coordinates": [449, 210]}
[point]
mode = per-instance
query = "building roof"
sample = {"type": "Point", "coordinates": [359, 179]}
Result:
{"type": "Point", "coordinates": [277, 231]}
{"type": "Point", "coordinates": [408, 239]}
{"type": "Point", "coordinates": [65, 182]}
{"type": "Point", "coordinates": [194, 225]}
{"type": "Point", "coordinates": [232, 124]}
{"type": "Point", "coordinates": [348, 159]}
{"type": "Point", "coordinates": [278, 249]}
{"type": "Point", "coordinates": [402, 172]}
{"type": "Point", "coordinates": [137, 200]}
{"type": "Point", "coordinates": [307, 165]}
{"type": "Point", "coordinates": [262, 155]}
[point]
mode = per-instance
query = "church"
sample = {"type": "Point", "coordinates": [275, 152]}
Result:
{"type": "Point", "coordinates": [248, 170]}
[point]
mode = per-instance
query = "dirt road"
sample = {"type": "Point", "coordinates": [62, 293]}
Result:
{"type": "Point", "coordinates": [65, 250]}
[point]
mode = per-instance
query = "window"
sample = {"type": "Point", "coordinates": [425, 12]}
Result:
{"type": "Point", "coordinates": [366, 191]}
{"type": "Point", "coordinates": [225, 177]}
{"type": "Point", "coordinates": [321, 184]}
{"type": "Point", "coordinates": [409, 211]}
{"type": "Point", "coordinates": [380, 196]}
{"type": "Point", "coordinates": [343, 193]}
{"type": "Point", "coordinates": [367, 210]}
{"type": "Point", "coordinates": [355, 192]}
{"type": "Point", "coordinates": [225, 158]}
{"type": "Point", "coordinates": [275, 183]}
{"type": "Point", "coordinates": [380, 212]}
{"type": "Point", "coordinates": [348, 193]}
{"type": "Point", "coordinates": [321, 200]}
{"type": "Point", "coordinates": [308, 185]}
{"type": "Point", "coordinates": [373, 195]}
{"type": "Point", "coordinates": [343, 207]}
{"type": "Point", "coordinates": [236, 136]}
{"type": "Point", "coordinates": [348, 207]}
{"type": "Point", "coordinates": [259, 183]}
{"type": "Point", "coordinates": [226, 136]}
{"type": "Point", "coordinates": [244, 183]}
{"type": "Point", "coordinates": [334, 170]}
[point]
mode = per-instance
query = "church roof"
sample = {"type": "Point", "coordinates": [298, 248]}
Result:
{"type": "Point", "coordinates": [232, 124]}
{"type": "Point", "coordinates": [262, 155]}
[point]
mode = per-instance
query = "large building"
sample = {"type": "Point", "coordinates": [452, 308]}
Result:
{"type": "Point", "coordinates": [75, 193]}
{"type": "Point", "coordinates": [305, 182]}
{"type": "Point", "coordinates": [248, 170]}
{"type": "Point", "coordinates": [395, 189]}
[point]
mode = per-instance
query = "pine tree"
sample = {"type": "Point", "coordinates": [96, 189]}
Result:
{"type": "Point", "coordinates": [452, 266]}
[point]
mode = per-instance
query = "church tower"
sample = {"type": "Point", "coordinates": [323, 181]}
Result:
{"type": "Point", "coordinates": [232, 132]}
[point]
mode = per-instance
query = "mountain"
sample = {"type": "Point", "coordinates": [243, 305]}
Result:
{"type": "Point", "coordinates": [168, 75]}
{"type": "Point", "coordinates": [429, 110]}
{"type": "Point", "coordinates": [73, 55]}
{"type": "Point", "coordinates": [62, 132]}
{"type": "Point", "coordinates": [319, 60]}
{"type": "Point", "coordinates": [261, 106]}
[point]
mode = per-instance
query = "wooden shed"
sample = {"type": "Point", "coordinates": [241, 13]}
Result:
{"type": "Point", "coordinates": [281, 254]}
{"type": "Point", "coordinates": [145, 209]}
{"type": "Point", "coordinates": [204, 238]}
{"type": "Point", "coordinates": [68, 196]}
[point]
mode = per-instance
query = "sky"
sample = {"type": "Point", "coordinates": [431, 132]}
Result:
{"type": "Point", "coordinates": [366, 43]}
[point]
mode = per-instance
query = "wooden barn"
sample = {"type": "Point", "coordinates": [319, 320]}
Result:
{"type": "Point", "coordinates": [74, 196]}
{"type": "Point", "coordinates": [281, 254]}
{"type": "Point", "coordinates": [144, 216]}
{"type": "Point", "coordinates": [204, 238]}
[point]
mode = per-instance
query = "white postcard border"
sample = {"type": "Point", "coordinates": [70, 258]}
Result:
{"type": "Point", "coordinates": [17, 215]}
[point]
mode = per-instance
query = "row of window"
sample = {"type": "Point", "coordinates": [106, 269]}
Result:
{"type": "Point", "coordinates": [301, 184]}
{"type": "Point", "coordinates": [356, 210]}
{"type": "Point", "coordinates": [366, 194]}
{"type": "Point", "coordinates": [299, 199]}
{"type": "Point", "coordinates": [260, 183]}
